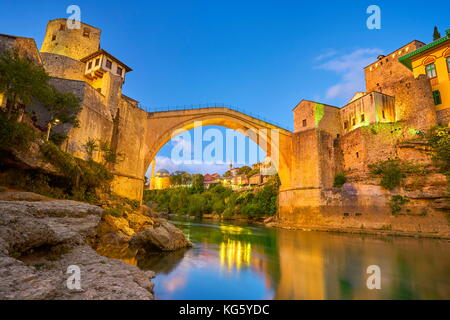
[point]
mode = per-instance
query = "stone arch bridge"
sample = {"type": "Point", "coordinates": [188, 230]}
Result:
{"type": "Point", "coordinates": [139, 135]}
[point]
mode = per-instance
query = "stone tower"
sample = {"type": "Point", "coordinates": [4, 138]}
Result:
{"type": "Point", "coordinates": [73, 43]}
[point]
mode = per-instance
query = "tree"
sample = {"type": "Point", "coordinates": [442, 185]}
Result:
{"type": "Point", "coordinates": [253, 172]}
{"type": "Point", "coordinates": [436, 34]}
{"type": "Point", "coordinates": [244, 170]}
{"type": "Point", "coordinates": [198, 183]}
{"type": "Point", "coordinates": [63, 108]}
{"type": "Point", "coordinates": [21, 80]}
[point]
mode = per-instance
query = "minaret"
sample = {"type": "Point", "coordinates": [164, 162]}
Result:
{"type": "Point", "coordinates": [152, 178]}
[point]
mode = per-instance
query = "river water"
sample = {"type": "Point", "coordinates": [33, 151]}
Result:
{"type": "Point", "coordinates": [241, 261]}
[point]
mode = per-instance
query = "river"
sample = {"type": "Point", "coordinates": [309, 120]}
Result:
{"type": "Point", "coordinates": [242, 261]}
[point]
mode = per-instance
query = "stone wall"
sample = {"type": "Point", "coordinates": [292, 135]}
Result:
{"type": "Point", "coordinates": [63, 67]}
{"type": "Point", "coordinates": [413, 97]}
{"type": "Point", "coordinates": [130, 129]}
{"type": "Point", "coordinates": [73, 43]}
{"type": "Point", "coordinates": [443, 117]}
{"type": "Point", "coordinates": [25, 47]}
{"type": "Point", "coordinates": [95, 118]}
{"type": "Point", "coordinates": [384, 74]}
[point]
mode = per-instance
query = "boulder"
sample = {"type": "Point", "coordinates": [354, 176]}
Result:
{"type": "Point", "coordinates": [100, 278]}
{"type": "Point", "coordinates": [164, 236]}
{"type": "Point", "coordinates": [40, 240]}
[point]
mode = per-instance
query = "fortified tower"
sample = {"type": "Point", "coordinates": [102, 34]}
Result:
{"type": "Point", "coordinates": [73, 43]}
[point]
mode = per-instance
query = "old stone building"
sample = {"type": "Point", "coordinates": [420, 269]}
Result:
{"type": "Point", "coordinates": [77, 63]}
{"type": "Point", "coordinates": [373, 126]}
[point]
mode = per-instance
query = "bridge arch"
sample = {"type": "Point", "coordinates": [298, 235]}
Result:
{"type": "Point", "coordinates": [162, 125]}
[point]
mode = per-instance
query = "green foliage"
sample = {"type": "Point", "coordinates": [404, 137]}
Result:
{"type": "Point", "coordinates": [390, 171]}
{"type": "Point", "coordinates": [339, 180]}
{"type": "Point", "coordinates": [253, 172]}
{"type": "Point", "coordinates": [197, 205]}
{"type": "Point", "coordinates": [198, 183]}
{"type": "Point", "coordinates": [218, 199]}
{"type": "Point", "coordinates": [439, 139]}
{"type": "Point", "coordinates": [21, 80]}
{"type": "Point", "coordinates": [62, 108]}
{"type": "Point", "coordinates": [396, 203]}
{"type": "Point", "coordinates": [14, 135]}
{"type": "Point", "coordinates": [436, 34]}
{"type": "Point", "coordinates": [58, 138]}
{"type": "Point", "coordinates": [115, 212]}
{"type": "Point", "coordinates": [84, 177]}
{"type": "Point", "coordinates": [244, 170]}
{"type": "Point", "coordinates": [90, 147]}
{"type": "Point", "coordinates": [180, 178]}
{"type": "Point", "coordinates": [110, 156]}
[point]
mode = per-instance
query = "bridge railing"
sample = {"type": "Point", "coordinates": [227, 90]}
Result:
{"type": "Point", "coordinates": [216, 105]}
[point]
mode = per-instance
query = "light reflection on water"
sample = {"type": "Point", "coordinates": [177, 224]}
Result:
{"type": "Point", "coordinates": [248, 262]}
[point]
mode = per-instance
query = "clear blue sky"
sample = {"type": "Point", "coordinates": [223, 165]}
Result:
{"type": "Point", "coordinates": [263, 56]}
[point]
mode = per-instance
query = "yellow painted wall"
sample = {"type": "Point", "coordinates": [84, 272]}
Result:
{"type": "Point", "coordinates": [2, 100]}
{"type": "Point", "coordinates": [159, 183]}
{"type": "Point", "coordinates": [443, 75]}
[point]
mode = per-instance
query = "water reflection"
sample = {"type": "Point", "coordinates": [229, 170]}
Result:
{"type": "Point", "coordinates": [248, 262]}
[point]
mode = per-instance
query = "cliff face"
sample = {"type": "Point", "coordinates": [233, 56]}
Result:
{"type": "Point", "coordinates": [417, 206]}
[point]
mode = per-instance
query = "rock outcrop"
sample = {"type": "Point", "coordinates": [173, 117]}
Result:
{"type": "Point", "coordinates": [164, 236]}
{"type": "Point", "coordinates": [40, 240]}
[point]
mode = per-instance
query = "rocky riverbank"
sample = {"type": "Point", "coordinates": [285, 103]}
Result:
{"type": "Point", "coordinates": [41, 237]}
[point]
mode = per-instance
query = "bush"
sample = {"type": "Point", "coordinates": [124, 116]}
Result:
{"type": "Point", "coordinates": [439, 139]}
{"type": "Point", "coordinates": [84, 177]}
{"type": "Point", "coordinates": [197, 205]}
{"type": "Point", "coordinates": [58, 138]}
{"type": "Point", "coordinates": [390, 171]}
{"type": "Point", "coordinates": [115, 212]}
{"type": "Point", "coordinates": [396, 203]}
{"type": "Point", "coordinates": [339, 180]}
{"type": "Point", "coordinates": [14, 135]}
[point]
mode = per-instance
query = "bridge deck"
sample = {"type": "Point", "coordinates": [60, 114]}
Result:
{"type": "Point", "coordinates": [165, 110]}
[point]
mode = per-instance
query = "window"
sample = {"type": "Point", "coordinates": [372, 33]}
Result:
{"type": "Point", "coordinates": [304, 122]}
{"type": "Point", "coordinates": [362, 118]}
{"type": "Point", "coordinates": [53, 37]}
{"type": "Point", "coordinates": [89, 65]}
{"type": "Point", "coordinates": [62, 26]}
{"type": "Point", "coordinates": [97, 62]}
{"type": "Point", "coordinates": [357, 154]}
{"type": "Point", "coordinates": [119, 71]}
{"type": "Point", "coordinates": [345, 124]}
{"type": "Point", "coordinates": [431, 70]}
{"type": "Point", "coordinates": [448, 64]}
{"type": "Point", "coordinates": [353, 121]}
{"type": "Point", "coordinates": [108, 64]}
{"type": "Point", "coordinates": [437, 97]}
{"type": "Point", "coordinates": [86, 32]}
